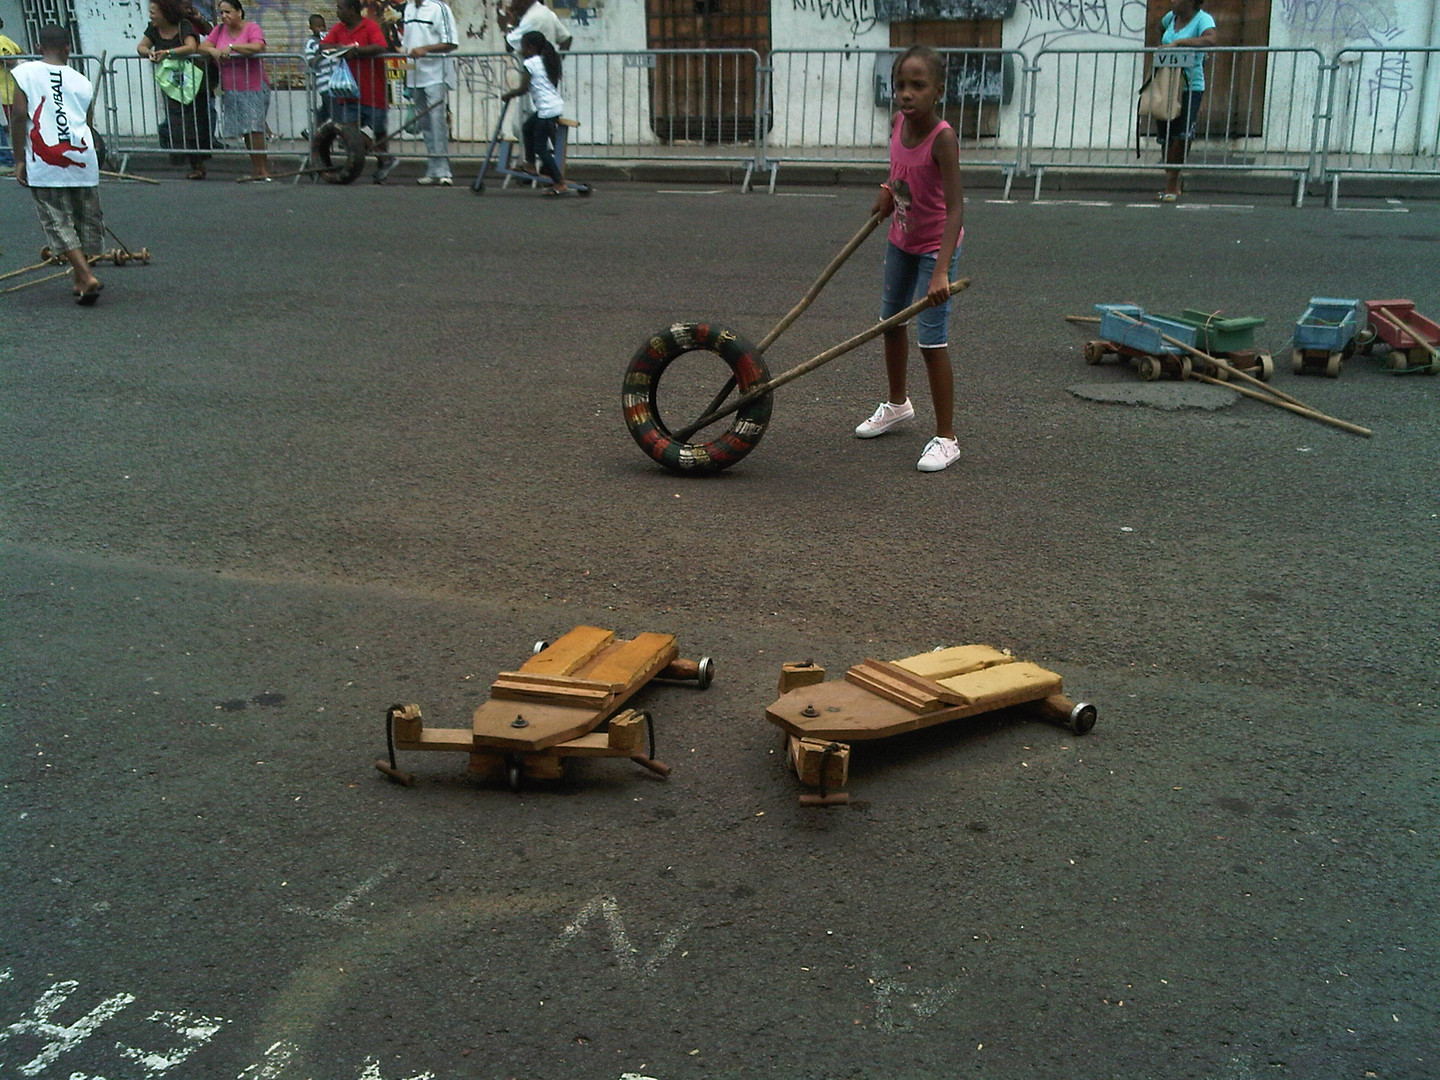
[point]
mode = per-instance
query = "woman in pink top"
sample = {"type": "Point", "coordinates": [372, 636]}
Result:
{"type": "Point", "coordinates": [245, 102]}
{"type": "Point", "coordinates": [927, 202]}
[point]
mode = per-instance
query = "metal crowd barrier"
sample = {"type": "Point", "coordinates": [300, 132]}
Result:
{"type": "Point", "coordinates": [1383, 115]}
{"type": "Point", "coordinates": [1263, 111]}
{"type": "Point", "coordinates": [1373, 111]}
{"type": "Point", "coordinates": [836, 107]}
{"type": "Point", "coordinates": [139, 121]}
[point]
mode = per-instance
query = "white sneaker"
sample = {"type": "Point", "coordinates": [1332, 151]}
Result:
{"type": "Point", "coordinates": [432, 181]}
{"type": "Point", "coordinates": [884, 418]}
{"type": "Point", "coordinates": [939, 454]}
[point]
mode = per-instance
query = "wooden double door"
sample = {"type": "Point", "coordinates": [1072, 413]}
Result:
{"type": "Point", "coordinates": [705, 97]}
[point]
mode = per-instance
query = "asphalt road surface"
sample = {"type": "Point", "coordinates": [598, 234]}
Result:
{"type": "Point", "coordinates": [336, 448]}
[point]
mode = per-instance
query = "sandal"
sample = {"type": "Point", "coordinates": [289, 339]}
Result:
{"type": "Point", "coordinates": [555, 193]}
{"type": "Point", "coordinates": [196, 174]}
{"type": "Point", "coordinates": [90, 294]}
{"type": "Point", "coordinates": [1166, 196]}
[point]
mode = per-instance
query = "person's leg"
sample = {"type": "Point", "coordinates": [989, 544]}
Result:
{"type": "Point", "coordinates": [259, 163]}
{"type": "Point", "coordinates": [897, 359]}
{"type": "Point", "coordinates": [528, 128]}
{"type": "Point", "coordinates": [545, 148]}
{"type": "Point", "coordinates": [58, 209]}
{"type": "Point", "coordinates": [436, 127]}
{"type": "Point", "coordinates": [942, 389]}
{"type": "Point", "coordinates": [7, 157]}
{"type": "Point", "coordinates": [376, 118]}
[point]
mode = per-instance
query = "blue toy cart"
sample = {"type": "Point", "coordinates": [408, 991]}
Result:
{"type": "Point", "coordinates": [1128, 332]}
{"type": "Point", "coordinates": [1325, 336]}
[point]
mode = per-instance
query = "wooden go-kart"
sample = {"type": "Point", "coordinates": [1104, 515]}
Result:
{"type": "Point", "coordinates": [744, 383]}
{"type": "Point", "coordinates": [877, 699]}
{"type": "Point", "coordinates": [554, 707]}
{"type": "Point", "coordinates": [120, 256]}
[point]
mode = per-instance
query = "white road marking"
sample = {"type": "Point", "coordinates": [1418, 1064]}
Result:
{"type": "Point", "coordinates": [339, 913]}
{"type": "Point", "coordinates": [63, 1036]}
{"type": "Point", "coordinates": [804, 195]}
{"type": "Point", "coordinates": [626, 954]}
{"type": "Point", "coordinates": [680, 191]}
{"type": "Point", "coordinates": [195, 1029]}
{"type": "Point", "coordinates": [273, 1063]}
{"type": "Point", "coordinates": [1371, 210]}
{"type": "Point", "coordinates": [371, 1071]}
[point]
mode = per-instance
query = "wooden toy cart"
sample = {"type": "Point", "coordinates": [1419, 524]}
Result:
{"type": "Point", "coordinates": [877, 699]}
{"type": "Point", "coordinates": [1325, 336]}
{"type": "Point", "coordinates": [1231, 339]}
{"type": "Point", "coordinates": [1135, 337]}
{"type": "Point", "coordinates": [1412, 337]}
{"type": "Point", "coordinates": [554, 707]}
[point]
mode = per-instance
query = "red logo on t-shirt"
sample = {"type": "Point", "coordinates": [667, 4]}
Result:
{"type": "Point", "coordinates": [53, 154]}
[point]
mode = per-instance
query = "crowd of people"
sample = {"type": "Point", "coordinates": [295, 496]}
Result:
{"type": "Point", "coordinates": [214, 85]}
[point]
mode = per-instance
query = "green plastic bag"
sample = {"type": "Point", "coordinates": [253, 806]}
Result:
{"type": "Point", "coordinates": [179, 80]}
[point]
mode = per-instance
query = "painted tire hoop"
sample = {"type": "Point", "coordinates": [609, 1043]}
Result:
{"type": "Point", "coordinates": [352, 141]}
{"type": "Point", "coordinates": [642, 379]}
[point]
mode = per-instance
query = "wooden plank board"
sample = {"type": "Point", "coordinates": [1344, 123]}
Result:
{"type": "Point", "coordinates": [557, 689]}
{"type": "Point", "coordinates": [569, 652]}
{"type": "Point", "coordinates": [629, 662]}
{"type": "Point", "coordinates": [1005, 684]}
{"type": "Point", "coordinates": [437, 739]}
{"type": "Point", "coordinates": [894, 683]}
{"type": "Point", "coordinates": [493, 725]}
{"type": "Point", "coordinates": [946, 663]}
{"type": "Point", "coordinates": [807, 756]}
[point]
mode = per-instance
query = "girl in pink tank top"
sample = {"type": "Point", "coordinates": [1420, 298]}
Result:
{"type": "Point", "coordinates": [926, 204]}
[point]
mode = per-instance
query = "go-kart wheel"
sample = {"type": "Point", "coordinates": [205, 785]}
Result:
{"type": "Point", "coordinates": [1265, 367]}
{"type": "Point", "coordinates": [1186, 368]}
{"type": "Point", "coordinates": [1094, 352]}
{"type": "Point", "coordinates": [705, 673]}
{"type": "Point", "coordinates": [1148, 368]}
{"type": "Point", "coordinates": [1333, 364]}
{"type": "Point", "coordinates": [1082, 718]}
{"type": "Point", "coordinates": [640, 398]}
{"type": "Point", "coordinates": [539, 647]}
{"type": "Point", "coordinates": [1297, 362]}
{"type": "Point", "coordinates": [323, 151]}
{"type": "Point", "coordinates": [512, 774]}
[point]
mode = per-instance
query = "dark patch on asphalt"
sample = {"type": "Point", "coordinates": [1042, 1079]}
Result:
{"type": "Point", "coordinates": [264, 701]}
{"type": "Point", "coordinates": [1235, 806]}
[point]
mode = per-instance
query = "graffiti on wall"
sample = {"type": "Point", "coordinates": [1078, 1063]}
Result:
{"type": "Point", "coordinates": [1049, 21]}
{"type": "Point", "coordinates": [859, 15]}
{"type": "Point", "coordinates": [1340, 22]}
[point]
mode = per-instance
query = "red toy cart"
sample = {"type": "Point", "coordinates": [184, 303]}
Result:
{"type": "Point", "coordinates": [1412, 337]}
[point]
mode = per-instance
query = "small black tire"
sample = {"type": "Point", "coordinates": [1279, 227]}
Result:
{"type": "Point", "coordinates": [512, 774]}
{"type": "Point", "coordinates": [323, 152]}
{"type": "Point", "coordinates": [705, 673]}
{"type": "Point", "coordinates": [642, 415]}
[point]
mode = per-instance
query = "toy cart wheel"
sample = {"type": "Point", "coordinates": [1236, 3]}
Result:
{"type": "Point", "coordinates": [1333, 365]}
{"type": "Point", "coordinates": [1094, 352]}
{"type": "Point", "coordinates": [512, 774]}
{"type": "Point", "coordinates": [705, 673]}
{"type": "Point", "coordinates": [640, 398]}
{"type": "Point", "coordinates": [1186, 368]}
{"type": "Point", "coordinates": [539, 647]}
{"type": "Point", "coordinates": [1365, 338]}
{"type": "Point", "coordinates": [322, 151]}
{"type": "Point", "coordinates": [1082, 718]}
{"type": "Point", "coordinates": [1148, 368]}
{"type": "Point", "coordinates": [1264, 367]}
{"type": "Point", "coordinates": [1398, 360]}
{"type": "Point", "coordinates": [1297, 361]}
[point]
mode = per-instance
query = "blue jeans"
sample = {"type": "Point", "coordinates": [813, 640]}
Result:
{"type": "Point", "coordinates": [6, 157]}
{"type": "Point", "coordinates": [907, 279]}
{"type": "Point", "coordinates": [539, 132]}
{"type": "Point", "coordinates": [350, 111]}
{"type": "Point", "coordinates": [434, 126]}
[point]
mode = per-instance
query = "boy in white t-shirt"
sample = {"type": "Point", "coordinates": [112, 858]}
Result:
{"type": "Point", "coordinates": [51, 120]}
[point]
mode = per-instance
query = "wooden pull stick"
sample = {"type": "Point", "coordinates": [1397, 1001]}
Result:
{"type": "Point", "coordinates": [1406, 328]}
{"type": "Point", "coordinates": [820, 282]}
{"type": "Point", "coordinates": [814, 362]}
{"type": "Point", "coordinates": [1083, 318]}
{"type": "Point", "coordinates": [1299, 410]}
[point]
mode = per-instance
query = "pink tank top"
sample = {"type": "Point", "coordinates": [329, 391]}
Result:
{"type": "Point", "coordinates": [919, 219]}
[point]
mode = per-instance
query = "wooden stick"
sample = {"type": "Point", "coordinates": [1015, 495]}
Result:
{"type": "Point", "coordinates": [52, 261]}
{"type": "Point", "coordinates": [1299, 410]}
{"type": "Point", "coordinates": [55, 260]}
{"type": "Point", "coordinates": [129, 176]}
{"type": "Point", "coordinates": [1406, 328]}
{"type": "Point", "coordinates": [1220, 364]}
{"type": "Point", "coordinates": [36, 281]}
{"type": "Point", "coordinates": [1083, 318]}
{"type": "Point", "coordinates": [820, 282]}
{"type": "Point", "coordinates": [814, 362]}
